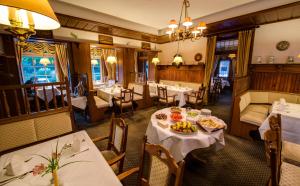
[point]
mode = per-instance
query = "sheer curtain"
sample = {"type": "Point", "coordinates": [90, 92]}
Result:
{"type": "Point", "coordinates": [243, 54]}
{"type": "Point", "coordinates": [62, 58]}
{"type": "Point", "coordinates": [210, 60]}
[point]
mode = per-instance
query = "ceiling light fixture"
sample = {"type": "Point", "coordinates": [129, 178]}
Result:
{"type": "Point", "coordinates": [23, 17]}
{"type": "Point", "coordinates": [176, 32]}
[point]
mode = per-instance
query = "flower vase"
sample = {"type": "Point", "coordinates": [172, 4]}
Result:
{"type": "Point", "coordinates": [55, 178]}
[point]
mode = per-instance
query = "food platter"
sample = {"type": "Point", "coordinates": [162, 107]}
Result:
{"type": "Point", "coordinates": [175, 110]}
{"type": "Point", "coordinates": [184, 128]}
{"type": "Point", "coordinates": [211, 124]}
{"type": "Point", "coordinates": [175, 117]}
{"type": "Point", "coordinates": [161, 116]}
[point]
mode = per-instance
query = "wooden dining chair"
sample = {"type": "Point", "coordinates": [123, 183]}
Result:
{"type": "Point", "coordinates": [195, 98]}
{"type": "Point", "coordinates": [282, 173]}
{"type": "Point", "coordinates": [164, 98]}
{"type": "Point", "coordinates": [125, 101]}
{"type": "Point", "coordinates": [116, 147]}
{"type": "Point", "coordinates": [162, 166]}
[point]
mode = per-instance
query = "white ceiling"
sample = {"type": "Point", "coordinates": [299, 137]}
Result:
{"type": "Point", "coordinates": [156, 13]}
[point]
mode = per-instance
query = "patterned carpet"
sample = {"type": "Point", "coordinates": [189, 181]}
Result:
{"type": "Point", "coordinates": [241, 162]}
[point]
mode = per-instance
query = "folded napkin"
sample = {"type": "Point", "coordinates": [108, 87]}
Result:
{"type": "Point", "coordinates": [16, 166]}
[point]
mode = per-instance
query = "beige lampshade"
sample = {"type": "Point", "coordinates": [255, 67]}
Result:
{"type": "Point", "coordinates": [187, 22]}
{"type": "Point", "coordinates": [111, 59]}
{"type": "Point", "coordinates": [298, 56]}
{"type": "Point", "coordinates": [28, 12]}
{"type": "Point", "coordinates": [202, 26]}
{"type": "Point", "coordinates": [155, 60]}
{"type": "Point", "coordinates": [45, 61]}
{"type": "Point", "coordinates": [94, 62]}
{"type": "Point", "coordinates": [232, 56]}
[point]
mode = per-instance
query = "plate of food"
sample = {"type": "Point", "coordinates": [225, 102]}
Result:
{"type": "Point", "coordinates": [175, 110]}
{"type": "Point", "coordinates": [184, 127]}
{"type": "Point", "coordinates": [192, 114]}
{"type": "Point", "coordinates": [175, 117]}
{"type": "Point", "coordinates": [161, 116]}
{"type": "Point", "coordinates": [211, 124]}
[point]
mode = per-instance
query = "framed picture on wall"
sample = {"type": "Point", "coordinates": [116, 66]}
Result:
{"type": "Point", "coordinates": [106, 40]}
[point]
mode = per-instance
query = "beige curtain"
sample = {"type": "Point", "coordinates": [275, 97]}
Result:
{"type": "Point", "coordinates": [62, 58]}
{"type": "Point", "coordinates": [136, 70]}
{"type": "Point", "coordinates": [19, 52]}
{"type": "Point", "coordinates": [243, 54]}
{"type": "Point", "coordinates": [209, 62]}
{"type": "Point", "coordinates": [111, 69]}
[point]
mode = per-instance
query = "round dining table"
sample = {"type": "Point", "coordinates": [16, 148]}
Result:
{"type": "Point", "coordinates": [179, 145]}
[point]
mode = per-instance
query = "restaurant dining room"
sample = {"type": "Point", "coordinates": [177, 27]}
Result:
{"type": "Point", "coordinates": [111, 93]}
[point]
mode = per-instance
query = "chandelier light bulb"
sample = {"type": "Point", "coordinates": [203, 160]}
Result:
{"type": "Point", "coordinates": [187, 22]}
{"type": "Point", "coordinates": [155, 60]}
{"type": "Point", "coordinates": [111, 59]}
{"type": "Point", "coordinates": [169, 31]}
{"type": "Point", "coordinates": [177, 59]}
{"type": "Point", "coordinates": [173, 24]}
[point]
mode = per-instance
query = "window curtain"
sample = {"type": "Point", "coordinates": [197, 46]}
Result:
{"type": "Point", "coordinates": [62, 58]}
{"type": "Point", "coordinates": [209, 63]}
{"type": "Point", "coordinates": [136, 68]}
{"type": "Point", "coordinates": [243, 54]}
{"type": "Point", "coordinates": [111, 69]}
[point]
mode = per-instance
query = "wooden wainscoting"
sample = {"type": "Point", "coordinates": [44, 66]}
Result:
{"type": "Point", "coordinates": [189, 73]}
{"type": "Point", "coordinates": [283, 78]}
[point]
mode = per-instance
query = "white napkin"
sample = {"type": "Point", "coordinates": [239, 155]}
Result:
{"type": "Point", "coordinates": [76, 144]}
{"type": "Point", "coordinates": [16, 166]}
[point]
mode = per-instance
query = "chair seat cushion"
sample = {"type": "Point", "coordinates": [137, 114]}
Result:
{"type": "Point", "coordinates": [264, 109]}
{"type": "Point", "coordinates": [109, 155]}
{"type": "Point", "coordinates": [291, 152]}
{"type": "Point", "coordinates": [170, 100]}
{"type": "Point", "coordinates": [137, 97]}
{"type": "Point", "coordinates": [290, 174]}
{"type": "Point", "coordinates": [100, 103]}
{"type": "Point", "coordinates": [252, 117]}
{"type": "Point", "coordinates": [129, 104]}
{"type": "Point", "coordinates": [193, 100]}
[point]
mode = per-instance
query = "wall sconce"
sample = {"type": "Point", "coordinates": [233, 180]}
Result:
{"type": "Point", "coordinates": [271, 59]}
{"type": "Point", "coordinates": [258, 59]}
{"type": "Point", "coordinates": [290, 59]}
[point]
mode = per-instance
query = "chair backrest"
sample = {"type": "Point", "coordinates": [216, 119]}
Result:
{"type": "Point", "coordinates": [162, 92]}
{"type": "Point", "coordinates": [273, 146]}
{"type": "Point", "coordinates": [201, 92]}
{"type": "Point", "coordinates": [162, 166]}
{"type": "Point", "coordinates": [127, 95]}
{"type": "Point", "coordinates": [118, 135]}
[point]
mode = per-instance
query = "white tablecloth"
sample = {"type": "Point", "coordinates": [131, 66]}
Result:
{"type": "Point", "coordinates": [49, 93]}
{"type": "Point", "coordinates": [108, 93]}
{"type": "Point", "coordinates": [172, 90]}
{"type": "Point", "coordinates": [96, 172]}
{"type": "Point", "coordinates": [180, 145]}
{"type": "Point", "coordinates": [290, 122]}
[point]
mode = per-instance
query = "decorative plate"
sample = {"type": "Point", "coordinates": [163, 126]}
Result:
{"type": "Point", "coordinates": [198, 57]}
{"type": "Point", "coordinates": [282, 45]}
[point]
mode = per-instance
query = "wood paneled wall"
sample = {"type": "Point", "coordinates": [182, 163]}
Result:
{"type": "Point", "coordinates": [189, 73]}
{"type": "Point", "coordinates": [283, 78]}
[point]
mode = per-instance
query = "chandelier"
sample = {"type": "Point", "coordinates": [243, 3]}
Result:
{"type": "Point", "coordinates": [185, 30]}
{"type": "Point", "coordinates": [22, 17]}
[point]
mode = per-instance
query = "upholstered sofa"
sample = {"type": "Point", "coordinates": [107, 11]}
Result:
{"type": "Point", "coordinates": [252, 108]}
{"type": "Point", "coordinates": [194, 86]}
{"type": "Point", "coordinates": [98, 108]}
{"type": "Point", "coordinates": [23, 132]}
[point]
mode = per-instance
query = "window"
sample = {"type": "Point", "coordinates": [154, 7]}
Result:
{"type": "Point", "coordinates": [227, 45]}
{"type": "Point", "coordinates": [32, 68]}
{"type": "Point", "coordinates": [96, 70]}
{"type": "Point", "coordinates": [224, 68]}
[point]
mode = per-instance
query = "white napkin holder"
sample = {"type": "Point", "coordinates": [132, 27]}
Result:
{"type": "Point", "coordinates": [76, 144]}
{"type": "Point", "coordinates": [16, 166]}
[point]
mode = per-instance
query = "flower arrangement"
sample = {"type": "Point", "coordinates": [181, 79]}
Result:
{"type": "Point", "coordinates": [53, 164]}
